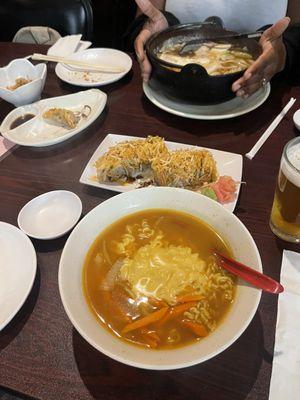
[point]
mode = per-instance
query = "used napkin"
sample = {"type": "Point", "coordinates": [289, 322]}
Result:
{"type": "Point", "coordinates": [68, 45]}
{"type": "Point", "coordinates": [5, 145]}
{"type": "Point", "coordinates": [285, 379]}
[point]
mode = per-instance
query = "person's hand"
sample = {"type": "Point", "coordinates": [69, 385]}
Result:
{"type": "Point", "coordinates": [156, 23]}
{"type": "Point", "coordinates": [270, 62]}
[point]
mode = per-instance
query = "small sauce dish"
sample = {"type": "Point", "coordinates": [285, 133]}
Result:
{"type": "Point", "coordinates": [50, 215]}
{"type": "Point", "coordinates": [26, 93]}
{"type": "Point", "coordinates": [296, 119]}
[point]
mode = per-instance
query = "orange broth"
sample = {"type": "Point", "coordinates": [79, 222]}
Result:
{"type": "Point", "coordinates": [116, 305]}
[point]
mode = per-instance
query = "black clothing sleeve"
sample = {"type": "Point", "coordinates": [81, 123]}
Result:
{"type": "Point", "coordinates": [291, 39]}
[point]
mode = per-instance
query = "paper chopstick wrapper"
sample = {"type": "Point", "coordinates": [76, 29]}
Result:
{"type": "Point", "coordinates": [270, 130]}
{"type": "Point", "coordinates": [285, 379]}
{"type": "Point", "coordinates": [68, 45]}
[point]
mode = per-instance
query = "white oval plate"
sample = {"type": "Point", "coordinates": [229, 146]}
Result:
{"type": "Point", "coordinates": [103, 56]}
{"type": "Point", "coordinates": [50, 215]}
{"type": "Point", "coordinates": [39, 133]}
{"type": "Point", "coordinates": [78, 244]}
{"type": "Point", "coordinates": [17, 271]}
{"type": "Point", "coordinates": [229, 109]}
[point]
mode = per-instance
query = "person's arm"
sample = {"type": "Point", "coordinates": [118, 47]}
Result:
{"type": "Point", "coordinates": [281, 54]}
{"type": "Point", "coordinates": [269, 63]}
{"type": "Point", "coordinates": [149, 21]}
{"type": "Point", "coordinates": [159, 4]}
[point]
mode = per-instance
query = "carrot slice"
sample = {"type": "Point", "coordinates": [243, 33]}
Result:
{"type": "Point", "coordinates": [195, 327]}
{"type": "Point", "coordinates": [149, 319]}
{"type": "Point", "coordinates": [157, 303]}
{"type": "Point", "coordinates": [189, 297]}
{"type": "Point", "coordinates": [150, 341]}
{"type": "Point", "coordinates": [176, 311]}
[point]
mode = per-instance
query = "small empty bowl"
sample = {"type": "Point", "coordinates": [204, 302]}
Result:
{"type": "Point", "coordinates": [296, 119]}
{"type": "Point", "coordinates": [50, 215]}
{"type": "Point", "coordinates": [28, 92]}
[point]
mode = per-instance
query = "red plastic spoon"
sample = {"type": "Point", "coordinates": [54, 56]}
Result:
{"type": "Point", "coordinates": [248, 274]}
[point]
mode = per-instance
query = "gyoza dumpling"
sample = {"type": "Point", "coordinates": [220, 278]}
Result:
{"type": "Point", "coordinates": [61, 117]}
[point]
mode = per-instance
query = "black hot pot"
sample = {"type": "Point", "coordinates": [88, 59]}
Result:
{"type": "Point", "coordinates": [191, 82]}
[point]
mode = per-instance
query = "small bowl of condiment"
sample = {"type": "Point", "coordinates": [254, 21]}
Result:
{"type": "Point", "coordinates": [21, 82]}
{"type": "Point", "coordinates": [20, 120]}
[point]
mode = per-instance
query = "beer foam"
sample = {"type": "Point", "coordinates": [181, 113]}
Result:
{"type": "Point", "coordinates": [292, 174]}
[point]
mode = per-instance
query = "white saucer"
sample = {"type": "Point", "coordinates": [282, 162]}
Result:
{"type": "Point", "coordinates": [229, 109]}
{"type": "Point", "coordinates": [103, 56]}
{"type": "Point", "coordinates": [50, 215]}
{"type": "Point", "coordinates": [17, 271]}
{"type": "Point", "coordinates": [296, 119]}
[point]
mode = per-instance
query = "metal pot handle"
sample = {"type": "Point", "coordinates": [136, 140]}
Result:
{"type": "Point", "coordinates": [192, 71]}
{"type": "Point", "coordinates": [215, 20]}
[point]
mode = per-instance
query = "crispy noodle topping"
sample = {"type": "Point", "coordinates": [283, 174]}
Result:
{"type": "Point", "coordinates": [149, 159]}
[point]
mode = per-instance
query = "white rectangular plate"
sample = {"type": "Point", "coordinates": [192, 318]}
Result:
{"type": "Point", "coordinates": [227, 164]}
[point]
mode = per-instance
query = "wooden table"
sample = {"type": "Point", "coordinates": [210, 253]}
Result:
{"type": "Point", "coordinates": [41, 354]}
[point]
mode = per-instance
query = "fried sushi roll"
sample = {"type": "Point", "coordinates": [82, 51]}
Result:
{"type": "Point", "coordinates": [130, 160]}
{"type": "Point", "coordinates": [185, 169]}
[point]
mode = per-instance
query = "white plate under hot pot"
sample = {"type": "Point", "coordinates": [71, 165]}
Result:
{"type": "Point", "coordinates": [39, 133]}
{"type": "Point", "coordinates": [229, 109]}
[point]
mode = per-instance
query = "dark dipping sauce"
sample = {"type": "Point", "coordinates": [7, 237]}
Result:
{"type": "Point", "coordinates": [21, 120]}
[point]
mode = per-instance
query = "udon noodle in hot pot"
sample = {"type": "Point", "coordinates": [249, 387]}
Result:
{"type": "Point", "coordinates": [216, 58]}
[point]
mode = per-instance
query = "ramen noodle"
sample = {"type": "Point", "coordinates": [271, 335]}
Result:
{"type": "Point", "coordinates": [151, 279]}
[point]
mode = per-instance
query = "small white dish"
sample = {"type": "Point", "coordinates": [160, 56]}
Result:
{"type": "Point", "coordinates": [230, 164]}
{"type": "Point", "coordinates": [50, 215]}
{"type": "Point", "coordinates": [296, 119]}
{"type": "Point", "coordinates": [17, 271]}
{"type": "Point", "coordinates": [25, 94]}
{"type": "Point", "coordinates": [39, 133]}
{"type": "Point", "coordinates": [229, 109]}
{"type": "Point", "coordinates": [103, 56]}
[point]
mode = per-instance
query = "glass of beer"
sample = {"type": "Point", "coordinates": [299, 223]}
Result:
{"type": "Point", "coordinates": [285, 215]}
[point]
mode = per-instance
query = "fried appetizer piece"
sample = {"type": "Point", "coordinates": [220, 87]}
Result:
{"type": "Point", "coordinates": [130, 160]}
{"type": "Point", "coordinates": [185, 169]}
{"type": "Point", "coordinates": [18, 83]}
{"type": "Point", "coordinates": [61, 117]}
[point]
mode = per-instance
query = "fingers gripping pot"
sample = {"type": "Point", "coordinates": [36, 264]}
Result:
{"type": "Point", "coordinates": [192, 82]}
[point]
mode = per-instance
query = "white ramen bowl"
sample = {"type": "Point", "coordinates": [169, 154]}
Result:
{"type": "Point", "coordinates": [225, 223]}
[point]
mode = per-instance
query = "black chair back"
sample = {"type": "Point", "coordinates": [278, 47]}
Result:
{"type": "Point", "coordinates": [65, 16]}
